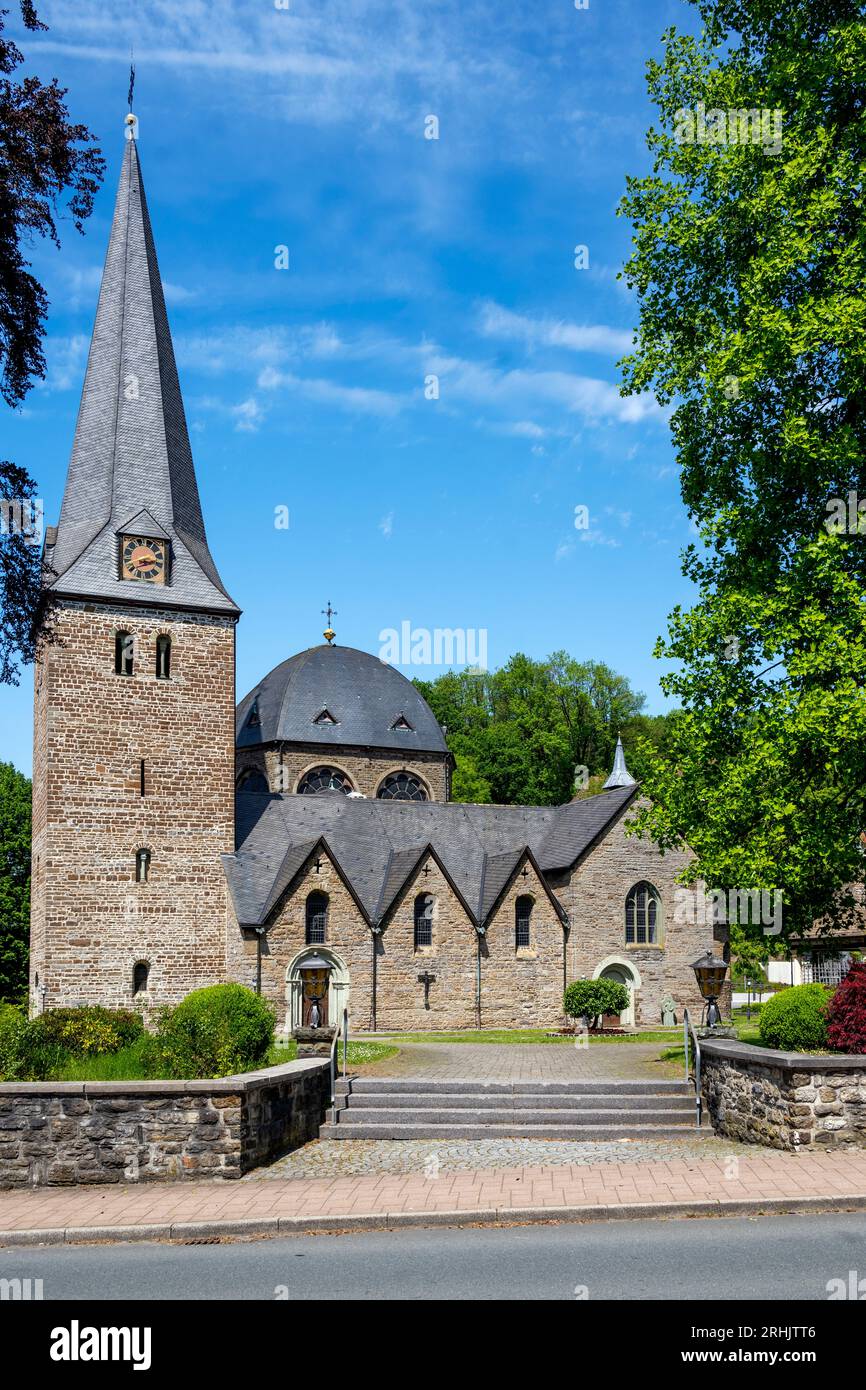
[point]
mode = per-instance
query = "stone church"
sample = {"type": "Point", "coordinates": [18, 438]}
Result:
{"type": "Point", "coordinates": [302, 842]}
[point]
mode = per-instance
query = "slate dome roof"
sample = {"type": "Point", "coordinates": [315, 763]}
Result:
{"type": "Point", "coordinates": [338, 697]}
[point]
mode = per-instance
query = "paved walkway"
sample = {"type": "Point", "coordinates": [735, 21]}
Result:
{"type": "Point", "coordinates": [765, 1181]}
{"type": "Point", "coordinates": [527, 1062]}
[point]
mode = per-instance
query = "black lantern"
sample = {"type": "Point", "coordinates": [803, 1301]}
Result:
{"type": "Point", "coordinates": [710, 975]}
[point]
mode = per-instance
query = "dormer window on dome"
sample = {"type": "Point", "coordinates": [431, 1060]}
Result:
{"type": "Point", "coordinates": [254, 719]}
{"type": "Point", "coordinates": [325, 717]}
{"type": "Point", "coordinates": [401, 722]}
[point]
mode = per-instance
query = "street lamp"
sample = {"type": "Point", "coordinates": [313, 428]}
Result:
{"type": "Point", "coordinates": [710, 975]}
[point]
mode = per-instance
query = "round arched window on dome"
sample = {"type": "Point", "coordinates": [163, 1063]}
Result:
{"type": "Point", "coordinates": [324, 779]}
{"type": "Point", "coordinates": [402, 786]}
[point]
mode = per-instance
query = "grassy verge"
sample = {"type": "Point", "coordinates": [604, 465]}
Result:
{"type": "Point", "coordinates": [128, 1064]}
{"type": "Point", "coordinates": [528, 1035]}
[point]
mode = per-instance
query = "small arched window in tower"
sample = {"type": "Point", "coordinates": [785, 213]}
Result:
{"type": "Point", "coordinates": [642, 916]}
{"type": "Point", "coordinates": [523, 923]}
{"type": "Point", "coordinates": [142, 865]}
{"type": "Point", "coordinates": [317, 919]}
{"type": "Point", "coordinates": [140, 976]}
{"type": "Point", "coordinates": [423, 920]}
{"type": "Point", "coordinates": [163, 658]}
{"type": "Point", "coordinates": [402, 786]}
{"type": "Point", "coordinates": [124, 653]}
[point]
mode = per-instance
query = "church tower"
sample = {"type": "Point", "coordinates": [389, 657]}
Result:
{"type": "Point", "coordinates": [133, 769]}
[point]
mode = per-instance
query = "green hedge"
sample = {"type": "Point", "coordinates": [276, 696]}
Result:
{"type": "Point", "coordinates": [794, 1020]}
{"type": "Point", "coordinates": [593, 998]}
{"type": "Point", "coordinates": [215, 1031]}
{"type": "Point", "coordinates": [12, 1026]}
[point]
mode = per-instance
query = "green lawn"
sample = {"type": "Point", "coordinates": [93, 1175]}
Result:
{"type": "Point", "coordinates": [528, 1035]}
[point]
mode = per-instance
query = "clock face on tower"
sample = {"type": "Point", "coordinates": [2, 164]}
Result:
{"type": "Point", "coordinates": [141, 558]}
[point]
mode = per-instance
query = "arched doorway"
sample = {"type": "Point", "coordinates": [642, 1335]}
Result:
{"type": "Point", "coordinates": [624, 973]}
{"type": "Point", "coordinates": [316, 976]}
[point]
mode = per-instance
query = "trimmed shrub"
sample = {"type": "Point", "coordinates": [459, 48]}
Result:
{"type": "Point", "coordinates": [12, 1026]}
{"type": "Point", "coordinates": [593, 998]}
{"type": "Point", "coordinates": [794, 1020]}
{"type": "Point", "coordinates": [846, 1014]}
{"type": "Point", "coordinates": [215, 1031]}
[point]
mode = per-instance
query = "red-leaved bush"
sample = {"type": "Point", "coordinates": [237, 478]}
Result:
{"type": "Point", "coordinates": [846, 1012]}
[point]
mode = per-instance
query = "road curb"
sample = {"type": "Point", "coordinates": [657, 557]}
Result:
{"type": "Point", "coordinates": [185, 1231]}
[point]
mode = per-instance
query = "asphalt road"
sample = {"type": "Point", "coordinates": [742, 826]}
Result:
{"type": "Point", "coordinates": [766, 1258]}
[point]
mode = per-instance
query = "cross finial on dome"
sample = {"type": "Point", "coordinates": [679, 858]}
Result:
{"type": "Point", "coordinates": [620, 776]}
{"type": "Point", "coordinates": [329, 634]}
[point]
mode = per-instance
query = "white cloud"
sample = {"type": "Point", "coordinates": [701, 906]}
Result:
{"type": "Point", "coordinates": [386, 525]}
{"type": "Point", "coordinates": [497, 322]}
{"type": "Point", "coordinates": [362, 399]}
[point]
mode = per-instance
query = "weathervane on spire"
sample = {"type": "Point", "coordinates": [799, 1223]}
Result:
{"type": "Point", "coordinates": [131, 121]}
{"type": "Point", "coordinates": [329, 634]}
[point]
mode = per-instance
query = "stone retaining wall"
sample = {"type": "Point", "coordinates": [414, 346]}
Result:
{"type": "Point", "coordinates": [784, 1100]}
{"type": "Point", "coordinates": [57, 1133]}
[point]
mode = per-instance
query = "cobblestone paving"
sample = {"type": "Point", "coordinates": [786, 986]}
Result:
{"type": "Point", "coordinates": [331, 1158]}
{"type": "Point", "coordinates": [527, 1062]}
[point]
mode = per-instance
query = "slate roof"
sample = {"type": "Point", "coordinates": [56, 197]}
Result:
{"type": "Point", "coordinates": [363, 694]}
{"type": "Point", "coordinates": [377, 844]}
{"type": "Point", "coordinates": [131, 459]}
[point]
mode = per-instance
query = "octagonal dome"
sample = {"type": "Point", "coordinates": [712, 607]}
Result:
{"type": "Point", "coordinates": [338, 697]}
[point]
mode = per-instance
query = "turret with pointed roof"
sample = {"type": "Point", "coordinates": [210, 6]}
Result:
{"type": "Point", "coordinates": [131, 469]}
{"type": "Point", "coordinates": [620, 776]}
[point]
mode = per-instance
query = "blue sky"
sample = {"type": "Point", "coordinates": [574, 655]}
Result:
{"type": "Point", "coordinates": [409, 258]}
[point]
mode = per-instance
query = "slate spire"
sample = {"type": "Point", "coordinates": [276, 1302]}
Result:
{"type": "Point", "coordinates": [131, 463]}
{"type": "Point", "coordinates": [620, 776]}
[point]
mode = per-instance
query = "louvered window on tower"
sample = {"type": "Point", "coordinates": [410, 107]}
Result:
{"type": "Point", "coordinates": [124, 652]}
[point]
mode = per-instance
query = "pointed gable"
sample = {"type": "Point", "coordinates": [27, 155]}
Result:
{"type": "Point", "coordinates": [131, 456]}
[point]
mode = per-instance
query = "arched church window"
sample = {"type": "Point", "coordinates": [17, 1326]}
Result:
{"type": "Point", "coordinates": [163, 658]}
{"type": "Point", "coordinates": [124, 653]}
{"type": "Point", "coordinates": [142, 865]}
{"type": "Point", "coordinates": [323, 779]}
{"type": "Point", "coordinates": [423, 920]}
{"type": "Point", "coordinates": [140, 976]}
{"type": "Point", "coordinates": [253, 781]}
{"type": "Point", "coordinates": [642, 916]}
{"type": "Point", "coordinates": [402, 786]}
{"type": "Point", "coordinates": [317, 919]}
{"type": "Point", "coordinates": [523, 922]}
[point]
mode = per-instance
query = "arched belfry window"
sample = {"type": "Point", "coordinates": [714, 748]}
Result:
{"type": "Point", "coordinates": [523, 922]}
{"type": "Point", "coordinates": [142, 865]}
{"type": "Point", "coordinates": [124, 653]}
{"type": "Point", "coordinates": [423, 920]}
{"type": "Point", "coordinates": [317, 919]}
{"type": "Point", "coordinates": [163, 657]}
{"type": "Point", "coordinates": [140, 976]}
{"type": "Point", "coordinates": [642, 916]}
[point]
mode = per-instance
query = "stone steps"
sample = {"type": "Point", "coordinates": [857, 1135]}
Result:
{"type": "Point", "coordinates": [412, 1108]}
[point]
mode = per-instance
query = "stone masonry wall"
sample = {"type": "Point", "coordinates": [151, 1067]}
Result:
{"type": "Point", "coordinates": [91, 921]}
{"type": "Point", "coordinates": [284, 765]}
{"type": "Point", "coordinates": [56, 1134]}
{"type": "Point", "coordinates": [595, 900]}
{"type": "Point", "coordinates": [784, 1100]}
{"type": "Point", "coordinates": [519, 989]}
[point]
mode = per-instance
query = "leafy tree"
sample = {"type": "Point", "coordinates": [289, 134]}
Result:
{"type": "Point", "coordinates": [749, 262]}
{"type": "Point", "coordinates": [15, 818]}
{"type": "Point", "coordinates": [521, 733]}
{"type": "Point", "coordinates": [594, 999]}
{"type": "Point", "coordinates": [44, 159]}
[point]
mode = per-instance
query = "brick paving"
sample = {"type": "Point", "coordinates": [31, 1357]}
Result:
{"type": "Point", "coordinates": [833, 1179]}
{"type": "Point", "coordinates": [528, 1062]}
